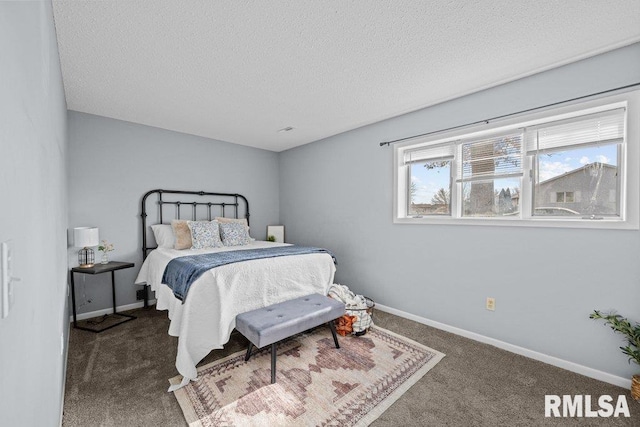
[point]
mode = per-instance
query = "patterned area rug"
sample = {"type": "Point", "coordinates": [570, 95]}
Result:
{"type": "Point", "coordinates": [317, 384]}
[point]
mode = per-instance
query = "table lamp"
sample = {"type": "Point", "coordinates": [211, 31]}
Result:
{"type": "Point", "coordinates": [85, 237]}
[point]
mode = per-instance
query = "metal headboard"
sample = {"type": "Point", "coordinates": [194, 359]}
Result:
{"type": "Point", "coordinates": [213, 204]}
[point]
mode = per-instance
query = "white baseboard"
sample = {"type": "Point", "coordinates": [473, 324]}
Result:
{"type": "Point", "coordinates": [97, 313]}
{"type": "Point", "coordinates": [551, 360]}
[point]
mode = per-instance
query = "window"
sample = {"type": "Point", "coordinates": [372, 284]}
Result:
{"type": "Point", "coordinates": [430, 188]}
{"type": "Point", "coordinates": [429, 180]}
{"type": "Point", "coordinates": [564, 197]}
{"type": "Point", "coordinates": [565, 167]}
{"type": "Point", "coordinates": [579, 154]}
{"type": "Point", "coordinates": [491, 170]}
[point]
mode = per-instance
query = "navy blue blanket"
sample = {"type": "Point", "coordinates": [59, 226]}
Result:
{"type": "Point", "coordinates": [181, 272]}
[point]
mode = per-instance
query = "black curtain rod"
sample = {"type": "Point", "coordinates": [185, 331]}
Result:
{"type": "Point", "coordinates": [486, 121]}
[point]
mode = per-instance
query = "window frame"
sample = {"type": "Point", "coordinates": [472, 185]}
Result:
{"type": "Point", "coordinates": [628, 164]}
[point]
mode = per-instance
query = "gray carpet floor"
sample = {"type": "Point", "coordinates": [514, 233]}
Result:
{"type": "Point", "coordinates": [119, 378]}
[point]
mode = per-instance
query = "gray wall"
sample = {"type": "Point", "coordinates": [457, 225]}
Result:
{"type": "Point", "coordinates": [337, 193]}
{"type": "Point", "coordinates": [33, 194]}
{"type": "Point", "coordinates": [112, 163]}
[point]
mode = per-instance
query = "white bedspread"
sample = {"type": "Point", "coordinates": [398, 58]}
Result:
{"type": "Point", "coordinates": [205, 321]}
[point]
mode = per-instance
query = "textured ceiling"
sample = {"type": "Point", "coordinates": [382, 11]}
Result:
{"type": "Point", "coordinates": [240, 71]}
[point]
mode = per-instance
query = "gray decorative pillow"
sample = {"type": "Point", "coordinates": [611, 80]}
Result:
{"type": "Point", "coordinates": [234, 234]}
{"type": "Point", "coordinates": [204, 234]}
{"type": "Point", "coordinates": [223, 220]}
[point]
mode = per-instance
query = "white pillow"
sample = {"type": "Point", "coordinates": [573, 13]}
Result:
{"type": "Point", "coordinates": [164, 235]}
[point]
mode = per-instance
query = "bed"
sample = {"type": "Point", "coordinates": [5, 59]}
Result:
{"type": "Point", "coordinates": [204, 319]}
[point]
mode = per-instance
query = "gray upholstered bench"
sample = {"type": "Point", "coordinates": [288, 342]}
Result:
{"type": "Point", "coordinates": [276, 322]}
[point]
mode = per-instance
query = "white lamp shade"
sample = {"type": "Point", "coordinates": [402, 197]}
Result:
{"type": "Point", "coordinates": [85, 237]}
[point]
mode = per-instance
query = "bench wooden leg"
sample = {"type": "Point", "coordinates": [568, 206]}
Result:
{"type": "Point", "coordinates": [273, 363]}
{"type": "Point", "coordinates": [333, 332]}
{"type": "Point", "coordinates": [248, 351]}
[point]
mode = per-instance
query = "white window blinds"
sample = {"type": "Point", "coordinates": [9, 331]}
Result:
{"type": "Point", "coordinates": [491, 158]}
{"type": "Point", "coordinates": [434, 153]}
{"type": "Point", "coordinates": [606, 127]}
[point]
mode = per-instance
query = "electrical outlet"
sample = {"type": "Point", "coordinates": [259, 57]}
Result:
{"type": "Point", "coordinates": [491, 304]}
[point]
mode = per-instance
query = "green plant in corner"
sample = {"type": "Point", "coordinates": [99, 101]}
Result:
{"type": "Point", "coordinates": [271, 238]}
{"type": "Point", "coordinates": [622, 326]}
{"type": "Point", "coordinates": [631, 332]}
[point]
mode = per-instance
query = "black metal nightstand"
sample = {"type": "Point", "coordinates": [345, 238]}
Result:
{"type": "Point", "coordinates": [99, 269]}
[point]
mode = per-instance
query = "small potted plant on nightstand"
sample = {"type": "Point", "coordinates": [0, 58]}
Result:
{"type": "Point", "coordinates": [632, 334]}
{"type": "Point", "coordinates": [105, 247]}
